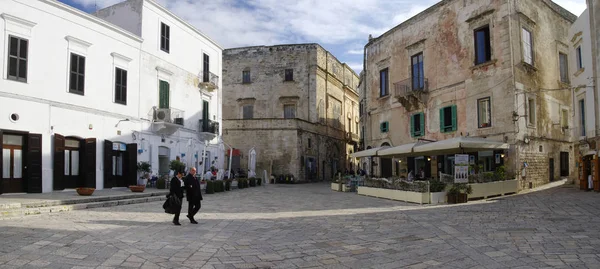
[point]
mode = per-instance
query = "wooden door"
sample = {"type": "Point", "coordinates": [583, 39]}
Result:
{"type": "Point", "coordinates": [108, 178]}
{"type": "Point", "coordinates": [89, 163]}
{"type": "Point", "coordinates": [13, 166]}
{"type": "Point", "coordinates": [130, 165]}
{"type": "Point", "coordinates": [551, 167]}
{"type": "Point", "coordinates": [34, 163]}
{"type": "Point", "coordinates": [58, 165]}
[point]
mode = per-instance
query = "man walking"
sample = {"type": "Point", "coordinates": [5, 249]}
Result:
{"type": "Point", "coordinates": [194, 195]}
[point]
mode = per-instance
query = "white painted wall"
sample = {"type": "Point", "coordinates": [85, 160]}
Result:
{"type": "Point", "coordinates": [45, 106]}
{"type": "Point", "coordinates": [581, 36]}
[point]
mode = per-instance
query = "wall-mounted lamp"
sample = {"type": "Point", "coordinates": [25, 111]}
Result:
{"type": "Point", "coordinates": [399, 161]}
{"type": "Point", "coordinates": [429, 159]}
{"type": "Point", "coordinates": [116, 125]}
{"type": "Point", "coordinates": [502, 155]}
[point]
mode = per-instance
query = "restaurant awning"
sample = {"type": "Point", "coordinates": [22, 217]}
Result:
{"type": "Point", "coordinates": [368, 152]}
{"type": "Point", "coordinates": [458, 144]}
{"type": "Point", "coordinates": [399, 150]}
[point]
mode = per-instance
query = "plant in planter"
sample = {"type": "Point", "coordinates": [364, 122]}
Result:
{"type": "Point", "coordinates": [143, 169]}
{"type": "Point", "coordinates": [258, 181]}
{"type": "Point", "coordinates": [252, 182]}
{"type": "Point", "coordinates": [210, 187]}
{"type": "Point", "coordinates": [161, 183]}
{"type": "Point", "coordinates": [177, 165]}
{"type": "Point", "coordinates": [85, 191]}
{"type": "Point", "coordinates": [228, 185]}
{"type": "Point", "coordinates": [219, 186]}
{"type": "Point", "coordinates": [436, 186]}
{"type": "Point", "coordinates": [459, 192]}
{"type": "Point", "coordinates": [500, 173]}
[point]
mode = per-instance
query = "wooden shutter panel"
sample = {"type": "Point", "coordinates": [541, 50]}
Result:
{"type": "Point", "coordinates": [58, 172]}
{"type": "Point", "coordinates": [422, 116]}
{"type": "Point", "coordinates": [454, 120]}
{"type": "Point", "coordinates": [412, 126]}
{"type": "Point", "coordinates": [163, 94]}
{"type": "Point", "coordinates": [130, 168]}
{"type": "Point", "coordinates": [108, 182]}
{"type": "Point", "coordinates": [34, 163]}
{"type": "Point", "coordinates": [89, 163]}
{"type": "Point", "coordinates": [442, 120]}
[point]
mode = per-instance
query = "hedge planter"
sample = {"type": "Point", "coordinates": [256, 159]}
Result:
{"type": "Point", "coordinates": [398, 195]}
{"type": "Point", "coordinates": [252, 182]}
{"type": "Point", "coordinates": [457, 198]}
{"type": "Point", "coordinates": [336, 186]}
{"type": "Point", "coordinates": [210, 187]}
{"type": "Point", "coordinates": [485, 190]}
{"type": "Point", "coordinates": [234, 183]}
{"type": "Point", "coordinates": [438, 197]}
{"type": "Point", "coordinates": [227, 185]}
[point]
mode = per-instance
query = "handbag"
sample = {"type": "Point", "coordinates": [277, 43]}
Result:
{"type": "Point", "coordinates": [172, 205]}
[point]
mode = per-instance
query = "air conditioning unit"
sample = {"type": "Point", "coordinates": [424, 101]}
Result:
{"type": "Point", "coordinates": [179, 121]}
{"type": "Point", "coordinates": [162, 115]}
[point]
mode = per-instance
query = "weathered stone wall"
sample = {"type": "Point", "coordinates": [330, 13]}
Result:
{"type": "Point", "coordinates": [444, 34]}
{"type": "Point", "coordinates": [324, 91]}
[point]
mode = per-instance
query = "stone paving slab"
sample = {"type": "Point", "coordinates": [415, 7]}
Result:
{"type": "Point", "coordinates": [310, 226]}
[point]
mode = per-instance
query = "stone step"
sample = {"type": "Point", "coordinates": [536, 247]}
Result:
{"type": "Point", "coordinates": [91, 199]}
{"type": "Point", "coordinates": [6, 213]}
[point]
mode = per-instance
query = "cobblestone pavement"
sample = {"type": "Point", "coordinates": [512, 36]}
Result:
{"type": "Point", "coordinates": [303, 226]}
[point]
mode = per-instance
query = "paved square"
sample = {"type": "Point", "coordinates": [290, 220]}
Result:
{"type": "Point", "coordinates": [310, 226]}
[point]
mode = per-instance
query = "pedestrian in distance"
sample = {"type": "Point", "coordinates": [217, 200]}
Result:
{"type": "Point", "coordinates": [194, 195]}
{"type": "Point", "coordinates": [176, 189]}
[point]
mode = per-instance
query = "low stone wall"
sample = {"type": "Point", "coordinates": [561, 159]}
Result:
{"type": "Point", "coordinates": [485, 190]}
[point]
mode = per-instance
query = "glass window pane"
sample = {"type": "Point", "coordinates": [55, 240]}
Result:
{"type": "Point", "coordinates": [71, 143]}
{"type": "Point", "coordinates": [17, 163]}
{"type": "Point", "coordinates": [114, 165]}
{"type": "Point", "coordinates": [123, 77]}
{"type": "Point", "coordinates": [12, 66]}
{"type": "Point", "coordinates": [23, 49]}
{"type": "Point", "coordinates": [73, 82]}
{"type": "Point", "coordinates": [67, 162]}
{"type": "Point", "coordinates": [73, 63]}
{"type": "Point", "coordinates": [22, 68]}
{"type": "Point", "coordinates": [118, 76]}
{"type": "Point", "coordinates": [14, 47]}
{"type": "Point", "coordinates": [5, 163]}
{"type": "Point", "coordinates": [81, 65]}
{"type": "Point", "coordinates": [119, 165]}
{"type": "Point", "coordinates": [15, 140]}
{"type": "Point", "coordinates": [80, 83]}
{"type": "Point", "coordinates": [75, 163]}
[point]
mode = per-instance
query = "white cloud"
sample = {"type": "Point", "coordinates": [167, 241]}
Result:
{"type": "Point", "coordinates": [355, 52]}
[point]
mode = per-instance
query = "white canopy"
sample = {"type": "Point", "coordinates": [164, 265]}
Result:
{"type": "Point", "coordinates": [368, 152]}
{"type": "Point", "coordinates": [399, 150]}
{"type": "Point", "coordinates": [460, 143]}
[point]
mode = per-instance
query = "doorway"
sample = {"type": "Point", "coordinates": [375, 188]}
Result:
{"type": "Point", "coordinates": [311, 169]}
{"type": "Point", "coordinates": [386, 167]}
{"type": "Point", "coordinates": [564, 164]}
{"type": "Point", "coordinates": [120, 164]}
{"type": "Point", "coordinates": [71, 162]}
{"type": "Point", "coordinates": [551, 166]}
{"type": "Point", "coordinates": [163, 160]}
{"type": "Point", "coordinates": [12, 163]}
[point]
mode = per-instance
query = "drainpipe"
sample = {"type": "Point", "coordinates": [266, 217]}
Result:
{"type": "Point", "coordinates": [514, 83]}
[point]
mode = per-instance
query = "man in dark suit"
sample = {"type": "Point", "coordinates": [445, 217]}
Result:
{"type": "Point", "coordinates": [177, 186]}
{"type": "Point", "coordinates": [194, 195]}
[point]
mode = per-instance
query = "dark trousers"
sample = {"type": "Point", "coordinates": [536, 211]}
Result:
{"type": "Point", "coordinates": [176, 217]}
{"type": "Point", "coordinates": [193, 207]}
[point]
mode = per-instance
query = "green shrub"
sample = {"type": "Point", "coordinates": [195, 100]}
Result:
{"type": "Point", "coordinates": [228, 185]}
{"type": "Point", "coordinates": [210, 187]}
{"type": "Point", "coordinates": [219, 187]}
{"type": "Point", "coordinates": [161, 183]}
{"type": "Point", "coordinates": [258, 181]}
{"type": "Point", "coordinates": [241, 184]}
{"type": "Point", "coordinates": [252, 182]}
{"type": "Point", "coordinates": [437, 186]}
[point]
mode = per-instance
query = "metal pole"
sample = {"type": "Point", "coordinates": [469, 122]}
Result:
{"type": "Point", "coordinates": [204, 159]}
{"type": "Point", "coordinates": [230, 157]}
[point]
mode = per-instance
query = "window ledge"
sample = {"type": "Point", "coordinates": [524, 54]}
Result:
{"type": "Point", "coordinates": [383, 97]}
{"type": "Point", "coordinates": [488, 63]}
{"type": "Point", "coordinates": [17, 80]}
{"type": "Point", "coordinates": [531, 126]}
{"type": "Point", "coordinates": [564, 84]}
{"type": "Point", "coordinates": [288, 81]}
{"type": "Point", "coordinates": [77, 93]}
{"type": "Point", "coordinates": [529, 67]}
{"type": "Point", "coordinates": [579, 72]}
{"type": "Point", "coordinates": [484, 127]}
{"type": "Point", "coordinates": [246, 82]}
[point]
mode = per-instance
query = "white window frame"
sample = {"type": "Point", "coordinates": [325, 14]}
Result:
{"type": "Point", "coordinates": [531, 109]}
{"type": "Point", "coordinates": [122, 62]}
{"type": "Point", "coordinates": [527, 44]}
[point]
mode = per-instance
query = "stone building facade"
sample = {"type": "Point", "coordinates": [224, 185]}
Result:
{"type": "Point", "coordinates": [487, 69]}
{"type": "Point", "coordinates": [295, 105]}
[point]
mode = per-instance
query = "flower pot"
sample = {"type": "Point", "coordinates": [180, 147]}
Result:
{"type": "Point", "coordinates": [85, 191]}
{"type": "Point", "coordinates": [137, 188]}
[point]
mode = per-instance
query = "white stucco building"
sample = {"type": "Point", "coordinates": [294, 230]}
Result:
{"type": "Point", "coordinates": [84, 97]}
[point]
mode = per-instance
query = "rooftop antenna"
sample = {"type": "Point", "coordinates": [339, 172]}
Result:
{"type": "Point", "coordinates": [95, 6]}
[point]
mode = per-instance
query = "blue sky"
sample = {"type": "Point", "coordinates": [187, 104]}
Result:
{"type": "Point", "coordinates": [341, 26]}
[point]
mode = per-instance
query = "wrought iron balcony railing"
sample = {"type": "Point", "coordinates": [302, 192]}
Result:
{"type": "Point", "coordinates": [411, 86]}
{"type": "Point", "coordinates": [208, 80]}
{"type": "Point", "coordinates": [209, 126]}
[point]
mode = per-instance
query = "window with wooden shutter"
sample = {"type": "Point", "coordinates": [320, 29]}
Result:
{"type": "Point", "coordinates": [121, 86]}
{"type": "Point", "coordinates": [289, 111]}
{"type": "Point", "coordinates": [384, 127]}
{"type": "Point", "coordinates": [17, 58]}
{"type": "Point", "coordinates": [248, 112]}
{"type": "Point", "coordinates": [77, 74]}
{"type": "Point", "coordinates": [163, 94]}
{"type": "Point", "coordinates": [206, 69]}
{"type": "Point", "coordinates": [448, 121]}
{"type": "Point", "coordinates": [527, 40]}
{"type": "Point", "coordinates": [165, 37]}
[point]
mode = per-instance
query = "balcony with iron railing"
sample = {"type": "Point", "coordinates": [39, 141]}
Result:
{"type": "Point", "coordinates": [208, 80]}
{"type": "Point", "coordinates": [411, 87]}
{"type": "Point", "coordinates": [209, 126]}
{"type": "Point", "coordinates": [352, 137]}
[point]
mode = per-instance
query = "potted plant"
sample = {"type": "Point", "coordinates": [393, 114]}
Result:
{"type": "Point", "coordinates": [228, 184]}
{"type": "Point", "coordinates": [143, 169]}
{"type": "Point", "coordinates": [459, 192]}
{"type": "Point", "coordinates": [210, 187]}
{"type": "Point", "coordinates": [177, 165]}
{"type": "Point", "coordinates": [161, 183]}
{"type": "Point", "coordinates": [85, 191]}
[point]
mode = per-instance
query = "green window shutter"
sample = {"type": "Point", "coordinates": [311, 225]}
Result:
{"type": "Point", "coordinates": [422, 124]}
{"type": "Point", "coordinates": [412, 126]}
{"type": "Point", "coordinates": [381, 127]}
{"type": "Point", "coordinates": [454, 122]}
{"type": "Point", "coordinates": [442, 120]}
{"type": "Point", "coordinates": [163, 95]}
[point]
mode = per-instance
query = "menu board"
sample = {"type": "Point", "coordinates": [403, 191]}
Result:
{"type": "Point", "coordinates": [461, 168]}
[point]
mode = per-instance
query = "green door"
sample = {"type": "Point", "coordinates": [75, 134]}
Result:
{"type": "Point", "coordinates": [163, 95]}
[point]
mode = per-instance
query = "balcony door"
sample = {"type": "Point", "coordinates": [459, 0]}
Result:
{"type": "Point", "coordinates": [120, 164]}
{"type": "Point", "coordinates": [163, 94]}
